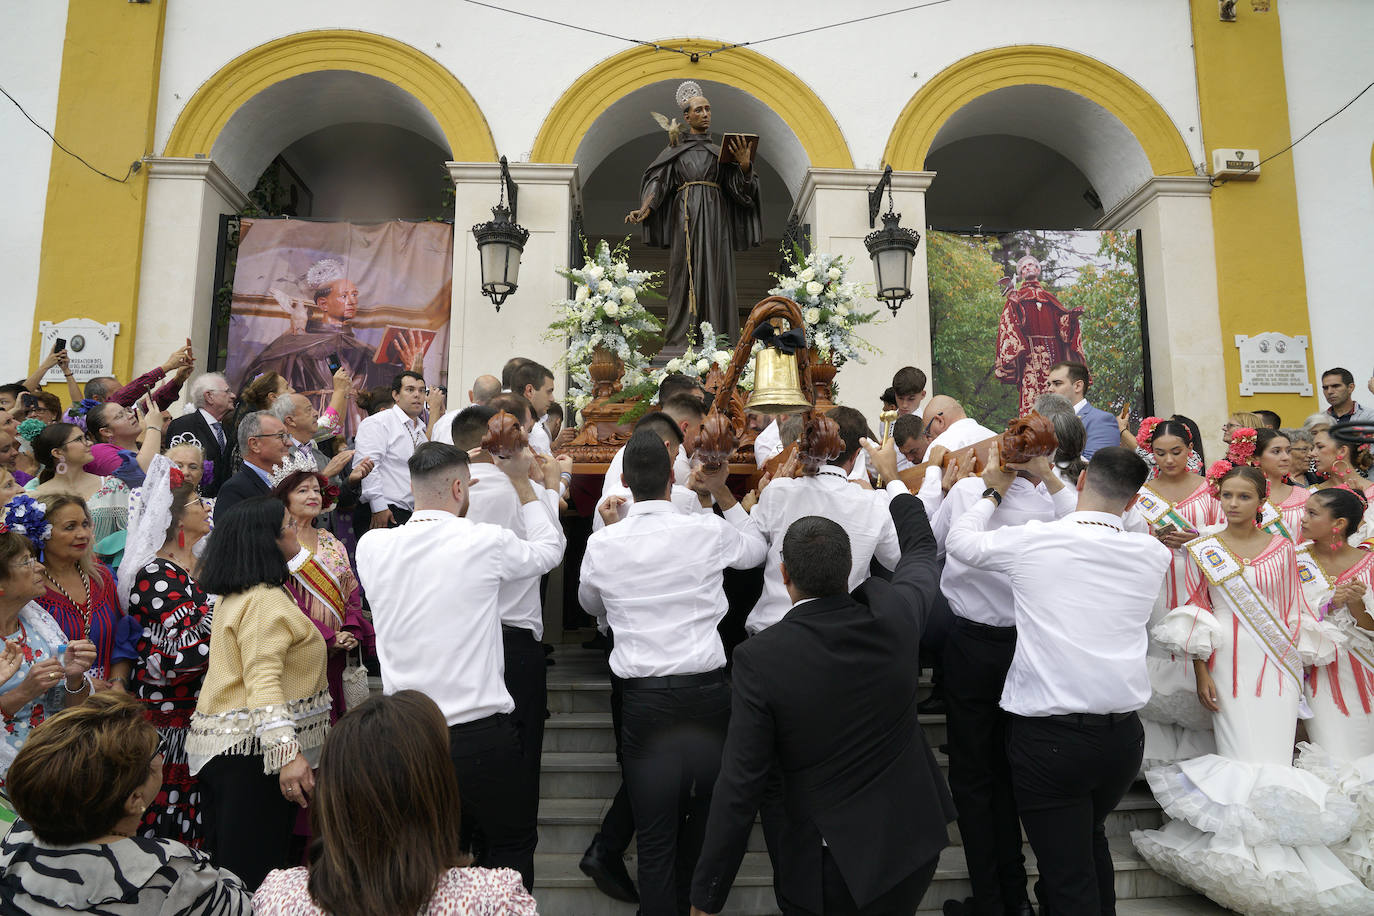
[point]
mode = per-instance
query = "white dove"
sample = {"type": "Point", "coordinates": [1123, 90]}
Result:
{"type": "Point", "coordinates": [673, 127]}
{"type": "Point", "coordinates": [298, 309]}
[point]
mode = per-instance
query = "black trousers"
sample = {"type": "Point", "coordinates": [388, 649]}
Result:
{"type": "Point", "coordinates": [672, 743]}
{"type": "Point", "coordinates": [527, 683]}
{"type": "Point", "coordinates": [1070, 772]}
{"type": "Point", "coordinates": [618, 826]}
{"type": "Point", "coordinates": [901, 900]}
{"type": "Point", "coordinates": [493, 787]}
{"type": "Point", "coordinates": [976, 661]}
{"type": "Point", "coordinates": [248, 822]}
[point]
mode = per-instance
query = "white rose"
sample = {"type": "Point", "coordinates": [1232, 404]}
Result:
{"type": "Point", "coordinates": [833, 273]}
{"type": "Point", "coordinates": [813, 289]}
{"type": "Point", "coordinates": [605, 287]}
{"type": "Point", "coordinates": [723, 357]}
{"type": "Point", "coordinates": [703, 365]}
{"type": "Point", "coordinates": [806, 276]}
{"type": "Point", "coordinates": [674, 365]}
{"type": "Point", "coordinates": [841, 311]}
{"type": "Point", "coordinates": [611, 309]}
{"type": "Point", "coordinates": [627, 295]}
{"type": "Point", "coordinates": [812, 316]}
{"type": "Point", "coordinates": [595, 272]}
{"type": "Point", "coordinates": [582, 293]}
{"type": "Point", "coordinates": [790, 284]}
{"type": "Point", "coordinates": [621, 271]}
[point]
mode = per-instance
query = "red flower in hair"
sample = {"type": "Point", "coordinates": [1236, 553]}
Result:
{"type": "Point", "coordinates": [1146, 434]}
{"type": "Point", "coordinates": [176, 477]}
{"type": "Point", "coordinates": [1242, 448]}
{"type": "Point", "coordinates": [1218, 470]}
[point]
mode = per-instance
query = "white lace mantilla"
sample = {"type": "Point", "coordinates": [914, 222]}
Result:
{"type": "Point", "coordinates": [277, 732]}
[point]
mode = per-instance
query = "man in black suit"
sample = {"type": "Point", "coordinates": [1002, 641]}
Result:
{"type": "Point", "coordinates": [264, 443]}
{"type": "Point", "coordinates": [213, 399]}
{"type": "Point", "coordinates": [828, 696]}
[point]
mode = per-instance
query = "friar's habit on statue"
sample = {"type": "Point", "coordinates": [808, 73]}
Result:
{"type": "Point", "coordinates": [704, 212]}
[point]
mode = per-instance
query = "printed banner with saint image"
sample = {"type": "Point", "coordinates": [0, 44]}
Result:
{"type": "Point", "coordinates": [371, 295]}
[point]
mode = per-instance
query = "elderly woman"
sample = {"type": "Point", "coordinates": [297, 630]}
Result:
{"type": "Point", "coordinates": [80, 786]}
{"type": "Point", "coordinates": [380, 853]}
{"type": "Point", "coordinates": [172, 613]}
{"type": "Point", "coordinates": [1300, 454]}
{"type": "Point", "coordinates": [115, 430]}
{"type": "Point", "coordinates": [64, 453]}
{"type": "Point", "coordinates": [81, 593]}
{"type": "Point", "coordinates": [325, 586]}
{"type": "Point", "coordinates": [40, 670]}
{"type": "Point", "coordinates": [263, 710]}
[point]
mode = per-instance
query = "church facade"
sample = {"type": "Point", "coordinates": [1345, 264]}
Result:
{"type": "Point", "coordinates": [1079, 114]}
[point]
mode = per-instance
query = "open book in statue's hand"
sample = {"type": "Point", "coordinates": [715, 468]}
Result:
{"type": "Point", "coordinates": [401, 345]}
{"type": "Point", "coordinates": [728, 143]}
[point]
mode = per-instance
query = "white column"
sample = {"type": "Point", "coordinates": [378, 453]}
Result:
{"type": "Point", "coordinates": [481, 339]}
{"type": "Point", "coordinates": [835, 204]}
{"type": "Point", "coordinates": [180, 237]}
{"type": "Point", "coordinates": [1174, 217]}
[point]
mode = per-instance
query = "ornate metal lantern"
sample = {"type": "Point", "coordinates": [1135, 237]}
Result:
{"type": "Point", "coordinates": [500, 243]}
{"type": "Point", "coordinates": [891, 247]}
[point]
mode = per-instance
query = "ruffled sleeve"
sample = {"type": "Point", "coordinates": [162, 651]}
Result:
{"type": "Point", "coordinates": [1189, 630]}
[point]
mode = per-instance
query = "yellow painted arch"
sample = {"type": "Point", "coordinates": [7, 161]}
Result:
{"type": "Point", "coordinates": [981, 73]}
{"type": "Point", "coordinates": [765, 79]}
{"type": "Point", "coordinates": [464, 126]}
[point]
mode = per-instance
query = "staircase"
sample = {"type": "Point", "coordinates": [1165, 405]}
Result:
{"type": "Point", "coordinates": [580, 775]}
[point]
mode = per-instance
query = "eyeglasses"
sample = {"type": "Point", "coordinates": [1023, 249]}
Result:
{"type": "Point", "coordinates": [28, 563]}
{"type": "Point", "coordinates": [82, 438]}
{"type": "Point", "coordinates": [283, 436]}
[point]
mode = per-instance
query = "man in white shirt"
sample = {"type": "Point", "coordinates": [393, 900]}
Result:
{"type": "Point", "coordinates": [484, 388]}
{"type": "Point", "coordinates": [685, 409]}
{"type": "Point", "coordinates": [863, 514]}
{"type": "Point", "coordinates": [389, 438]}
{"type": "Point", "coordinates": [1071, 380]}
{"type": "Point", "coordinates": [535, 384]}
{"type": "Point", "coordinates": [435, 584]}
{"type": "Point", "coordinates": [492, 499]}
{"type": "Point", "coordinates": [947, 429]}
{"type": "Point", "coordinates": [655, 577]}
{"type": "Point", "coordinates": [1082, 593]}
{"type": "Point", "coordinates": [683, 498]}
{"type": "Point", "coordinates": [978, 651]}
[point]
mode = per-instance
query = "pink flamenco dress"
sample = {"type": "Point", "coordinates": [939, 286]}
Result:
{"type": "Point", "coordinates": [1250, 830]}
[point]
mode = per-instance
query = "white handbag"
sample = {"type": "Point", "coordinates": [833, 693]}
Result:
{"type": "Point", "coordinates": [355, 689]}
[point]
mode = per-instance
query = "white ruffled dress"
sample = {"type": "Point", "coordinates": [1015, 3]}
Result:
{"type": "Point", "coordinates": [1176, 725]}
{"type": "Point", "coordinates": [1341, 695]}
{"type": "Point", "coordinates": [1250, 830]}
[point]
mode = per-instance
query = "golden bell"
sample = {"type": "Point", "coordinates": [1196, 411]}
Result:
{"type": "Point", "coordinates": [777, 384]}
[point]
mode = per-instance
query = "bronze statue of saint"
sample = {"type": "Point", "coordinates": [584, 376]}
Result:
{"type": "Point", "coordinates": [704, 211]}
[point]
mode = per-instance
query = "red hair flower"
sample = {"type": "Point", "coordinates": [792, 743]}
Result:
{"type": "Point", "coordinates": [1242, 448]}
{"type": "Point", "coordinates": [176, 477]}
{"type": "Point", "coordinates": [1146, 434]}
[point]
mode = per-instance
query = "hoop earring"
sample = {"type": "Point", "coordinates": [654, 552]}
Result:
{"type": "Point", "coordinates": [61, 467]}
{"type": "Point", "coordinates": [1337, 470]}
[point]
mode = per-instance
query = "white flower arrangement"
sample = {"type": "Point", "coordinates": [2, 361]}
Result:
{"type": "Point", "coordinates": [605, 311]}
{"type": "Point", "coordinates": [697, 360]}
{"type": "Point", "coordinates": [830, 304]}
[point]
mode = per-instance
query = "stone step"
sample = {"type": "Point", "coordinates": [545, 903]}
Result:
{"type": "Point", "coordinates": [560, 887]}
{"type": "Point", "coordinates": [578, 775]}
{"type": "Point", "coordinates": [567, 825]}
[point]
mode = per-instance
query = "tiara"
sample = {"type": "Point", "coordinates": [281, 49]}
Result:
{"type": "Point", "coordinates": [186, 439]}
{"type": "Point", "coordinates": [294, 463]}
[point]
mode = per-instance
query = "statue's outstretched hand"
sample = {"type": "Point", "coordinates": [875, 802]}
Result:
{"type": "Point", "coordinates": [637, 216]}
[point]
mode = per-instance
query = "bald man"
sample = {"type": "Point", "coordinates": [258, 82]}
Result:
{"type": "Point", "coordinates": [951, 428]}
{"type": "Point", "coordinates": [484, 388]}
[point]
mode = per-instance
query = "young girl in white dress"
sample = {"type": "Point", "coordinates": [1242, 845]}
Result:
{"type": "Point", "coordinates": [1251, 831]}
{"type": "Point", "coordinates": [1337, 580]}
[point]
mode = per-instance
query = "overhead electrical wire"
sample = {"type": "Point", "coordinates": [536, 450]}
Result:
{"type": "Point", "coordinates": [58, 144]}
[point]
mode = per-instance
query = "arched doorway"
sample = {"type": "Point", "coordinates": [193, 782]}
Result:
{"type": "Point", "coordinates": [298, 108]}
{"type": "Point", "coordinates": [1046, 138]}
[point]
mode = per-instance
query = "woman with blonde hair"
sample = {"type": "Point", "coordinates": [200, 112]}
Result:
{"type": "Point", "coordinates": [379, 852]}
{"type": "Point", "coordinates": [80, 785]}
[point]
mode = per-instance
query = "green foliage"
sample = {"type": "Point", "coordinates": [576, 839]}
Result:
{"type": "Point", "coordinates": [966, 304]}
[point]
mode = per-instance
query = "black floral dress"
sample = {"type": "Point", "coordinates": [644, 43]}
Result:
{"type": "Point", "coordinates": [173, 614]}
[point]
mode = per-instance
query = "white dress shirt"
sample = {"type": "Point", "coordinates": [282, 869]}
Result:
{"type": "Point", "coordinates": [611, 483]}
{"type": "Point", "coordinates": [863, 514]}
{"type": "Point", "coordinates": [959, 434]}
{"type": "Point", "coordinates": [443, 428]}
{"type": "Point", "coordinates": [683, 499]}
{"type": "Point", "coordinates": [767, 444]}
{"type": "Point", "coordinates": [656, 579]}
{"type": "Point", "coordinates": [389, 438]}
{"type": "Point", "coordinates": [1082, 590]}
{"type": "Point", "coordinates": [434, 585]}
{"type": "Point", "coordinates": [983, 595]}
{"type": "Point", "coordinates": [492, 499]}
{"type": "Point", "coordinates": [539, 438]}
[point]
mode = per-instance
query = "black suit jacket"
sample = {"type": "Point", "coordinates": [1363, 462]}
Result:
{"type": "Point", "coordinates": [243, 485]}
{"type": "Point", "coordinates": [195, 424]}
{"type": "Point", "coordinates": [828, 696]}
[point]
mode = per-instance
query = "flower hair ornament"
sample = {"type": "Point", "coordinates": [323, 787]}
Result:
{"type": "Point", "coordinates": [1242, 447]}
{"type": "Point", "coordinates": [29, 429]}
{"type": "Point", "coordinates": [1145, 437]}
{"type": "Point", "coordinates": [29, 517]}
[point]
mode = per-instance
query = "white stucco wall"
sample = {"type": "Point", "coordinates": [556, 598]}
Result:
{"type": "Point", "coordinates": [1327, 49]}
{"type": "Point", "coordinates": [30, 67]}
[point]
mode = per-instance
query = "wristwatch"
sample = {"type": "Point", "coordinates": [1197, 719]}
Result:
{"type": "Point", "coordinates": [992, 494]}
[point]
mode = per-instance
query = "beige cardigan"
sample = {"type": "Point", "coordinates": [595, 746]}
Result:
{"type": "Point", "coordinates": [265, 691]}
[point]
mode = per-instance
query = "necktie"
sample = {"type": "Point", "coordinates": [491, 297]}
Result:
{"type": "Point", "coordinates": [219, 434]}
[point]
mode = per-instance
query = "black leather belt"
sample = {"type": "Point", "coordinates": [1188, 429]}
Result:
{"type": "Point", "coordinates": [670, 681]}
{"type": "Point", "coordinates": [1096, 719]}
